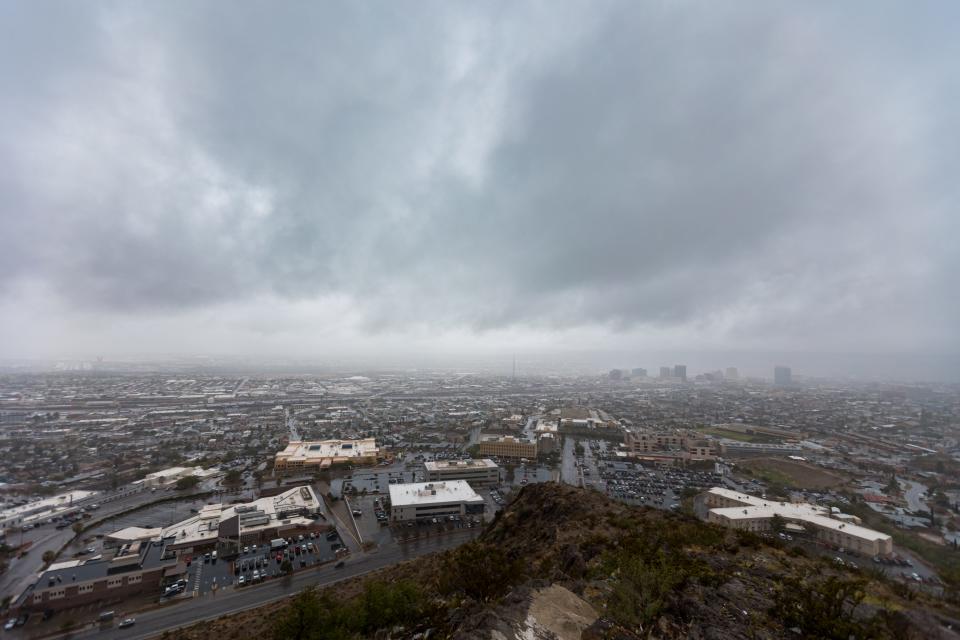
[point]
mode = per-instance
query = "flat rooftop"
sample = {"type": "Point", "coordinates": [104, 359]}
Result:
{"type": "Point", "coordinates": [320, 449]}
{"type": "Point", "coordinates": [418, 493]}
{"type": "Point", "coordinates": [496, 438]}
{"type": "Point", "coordinates": [754, 507]}
{"type": "Point", "coordinates": [282, 509]}
{"type": "Point", "coordinates": [136, 556]}
{"type": "Point", "coordinates": [446, 465]}
{"type": "Point", "coordinates": [47, 504]}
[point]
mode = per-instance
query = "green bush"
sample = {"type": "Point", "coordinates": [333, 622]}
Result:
{"type": "Point", "coordinates": [479, 571]}
{"type": "Point", "coordinates": [823, 607]}
{"type": "Point", "coordinates": [319, 616]}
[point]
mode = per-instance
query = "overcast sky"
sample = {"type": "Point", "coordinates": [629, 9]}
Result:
{"type": "Point", "coordinates": [309, 178]}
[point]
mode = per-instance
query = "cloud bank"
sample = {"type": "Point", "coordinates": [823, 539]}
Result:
{"type": "Point", "coordinates": [296, 177]}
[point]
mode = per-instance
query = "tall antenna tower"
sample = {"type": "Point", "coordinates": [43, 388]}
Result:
{"type": "Point", "coordinates": [514, 367]}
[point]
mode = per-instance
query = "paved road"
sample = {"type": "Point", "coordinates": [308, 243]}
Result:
{"type": "Point", "coordinates": [568, 469]}
{"type": "Point", "coordinates": [46, 538]}
{"type": "Point", "coordinates": [292, 426]}
{"type": "Point", "coordinates": [912, 492]}
{"type": "Point", "coordinates": [22, 571]}
{"type": "Point", "coordinates": [226, 601]}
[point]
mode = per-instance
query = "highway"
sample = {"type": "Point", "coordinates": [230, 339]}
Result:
{"type": "Point", "coordinates": [22, 571]}
{"type": "Point", "coordinates": [231, 600]}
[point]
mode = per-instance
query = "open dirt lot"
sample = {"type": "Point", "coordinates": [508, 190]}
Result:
{"type": "Point", "coordinates": [796, 474]}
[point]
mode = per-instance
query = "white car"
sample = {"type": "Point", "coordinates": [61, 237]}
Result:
{"type": "Point", "coordinates": [11, 623]}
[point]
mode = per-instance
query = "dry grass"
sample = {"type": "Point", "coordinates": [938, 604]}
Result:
{"type": "Point", "coordinates": [796, 474]}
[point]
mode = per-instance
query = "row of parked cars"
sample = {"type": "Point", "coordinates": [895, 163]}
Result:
{"type": "Point", "coordinates": [174, 589]}
{"type": "Point", "coordinates": [380, 510]}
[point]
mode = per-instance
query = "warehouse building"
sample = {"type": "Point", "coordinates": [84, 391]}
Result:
{"type": "Point", "coordinates": [312, 456]}
{"type": "Point", "coordinates": [741, 511]}
{"type": "Point", "coordinates": [426, 500]}
{"type": "Point", "coordinates": [476, 472]}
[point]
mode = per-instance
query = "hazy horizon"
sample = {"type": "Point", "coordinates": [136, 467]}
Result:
{"type": "Point", "coordinates": [738, 184]}
{"type": "Point", "coordinates": [812, 366]}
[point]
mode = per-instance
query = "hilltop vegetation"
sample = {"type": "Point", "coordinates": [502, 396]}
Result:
{"type": "Point", "coordinates": [566, 563]}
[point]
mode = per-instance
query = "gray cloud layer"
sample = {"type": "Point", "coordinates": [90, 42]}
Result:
{"type": "Point", "coordinates": [732, 174]}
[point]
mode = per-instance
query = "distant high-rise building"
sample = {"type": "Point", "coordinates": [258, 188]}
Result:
{"type": "Point", "coordinates": [639, 372]}
{"type": "Point", "coordinates": [616, 374]}
{"type": "Point", "coordinates": [782, 376]}
{"type": "Point", "coordinates": [680, 371]}
{"type": "Point", "coordinates": [665, 372]}
{"type": "Point", "coordinates": [732, 373]}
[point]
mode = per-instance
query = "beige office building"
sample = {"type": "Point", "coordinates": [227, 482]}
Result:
{"type": "Point", "coordinates": [312, 456]}
{"type": "Point", "coordinates": [507, 447]}
{"type": "Point", "coordinates": [476, 472]}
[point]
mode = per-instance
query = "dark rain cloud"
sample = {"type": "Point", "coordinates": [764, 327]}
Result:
{"type": "Point", "coordinates": [775, 173]}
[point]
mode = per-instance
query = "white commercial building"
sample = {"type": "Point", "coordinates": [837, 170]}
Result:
{"type": "Point", "coordinates": [37, 510]}
{"type": "Point", "coordinates": [169, 477]}
{"type": "Point", "coordinates": [293, 511]}
{"type": "Point", "coordinates": [424, 500]}
{"type": "Point", "coordinates": [476, 472]}
{"type": "Point", "coordinates": [738, 510]}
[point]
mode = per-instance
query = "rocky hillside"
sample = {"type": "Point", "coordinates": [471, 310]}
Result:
{"type": "Point", "coordinates": [567, 563]}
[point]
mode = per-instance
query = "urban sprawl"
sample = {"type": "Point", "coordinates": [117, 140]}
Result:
{"type": "Point", "coordinates": [123, 492]}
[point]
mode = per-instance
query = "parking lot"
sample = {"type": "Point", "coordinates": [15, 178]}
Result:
{"type": "Point", "coordinates": [364, 510]}
{"type": "Point", "coordinates": [524, 474]}
{"type": "Point", "coordinates": [414, 530]}
{"type": "Point", "coordinates": [258, 562]}
{"type": "Point", "coordinates": [583, 469]}
{"type": "Point", "coordinates": [376, 480]}
{"type": "Point", "coordinates": [636, 484]}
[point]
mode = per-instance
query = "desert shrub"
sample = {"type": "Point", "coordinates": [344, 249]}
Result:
{"type": "Point", "coordinates": [313, 615]}
{"type": "Point", "coordinates": [824, 607]}
{"type": "Point", "coordinates": [479, 571]}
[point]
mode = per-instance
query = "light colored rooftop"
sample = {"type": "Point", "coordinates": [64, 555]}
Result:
{"type": "Point", "coordinates": [492, 437]}
{"type": "Point", "coordinates": [417, 493]}
{"type": "Point", "coordinates": [259, 514]}
{"type": "Point", "coordinates": [797, 512]}
{"type": "Point", "coordinates": [168, 473]}
{"type": "Point", "coordinates": [54, 502]}
{"type": "Point", "coordinates": [319, 449]}
{"type": "Point", "coordinates": [755, 507]}
{"type": "Point", "coordinates": [546, 425]}
{"type": "Point", "coordinates": [136, 533]}
{"type": "Point", "coordinates": [444, 465]}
